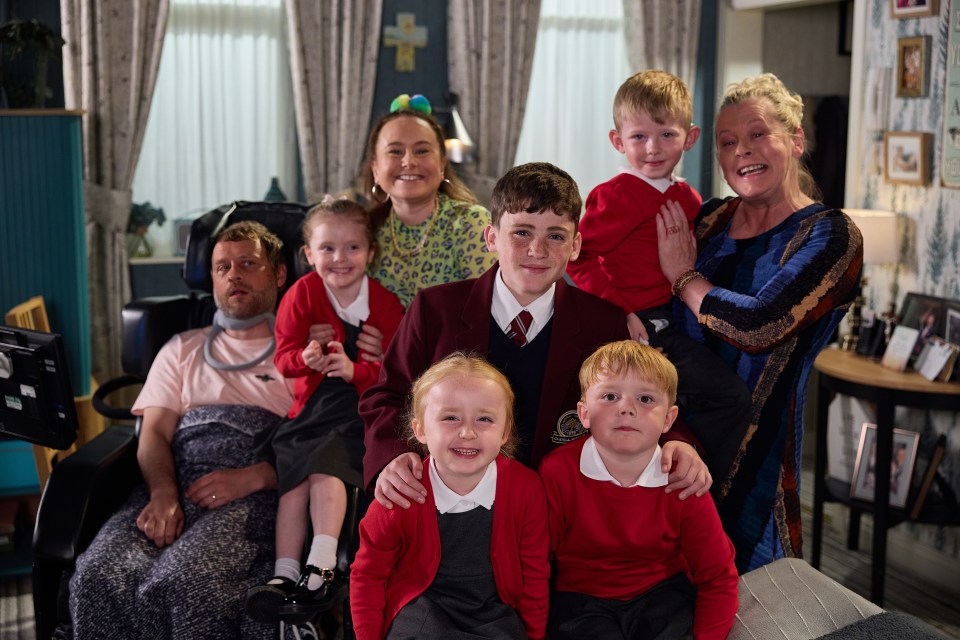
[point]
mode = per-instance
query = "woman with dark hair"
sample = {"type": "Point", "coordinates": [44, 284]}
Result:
{"type": "Point", "coordinates": [429, 225]}
{"type": "Point", "coordinates": [764, 281]}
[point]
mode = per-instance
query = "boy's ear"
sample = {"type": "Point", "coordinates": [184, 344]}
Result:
{"type": "Point", "coordinates": [490, 235]}
{"type": "Point", "coordinates": [670, 418]}
{"type": "Point", "coordinates": [583, 414]}
{"type": "Point", "coordinates": [577, 243]}
{"type": "Point", "coordinates": [616, 140]}
{"type": "Point", "coordinates": [693, 134]}
{"type": "Point", "coordinates": [418, 431]}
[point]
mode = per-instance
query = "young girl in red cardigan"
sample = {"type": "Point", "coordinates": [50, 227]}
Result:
{"type": "Point", "coordinates": [323, 323]}
{"type": "Point", "coordinates": [473, 557]}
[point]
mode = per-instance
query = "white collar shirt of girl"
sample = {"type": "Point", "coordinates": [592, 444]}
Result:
{"type": "Point", "coordinates": [505, 308]}
{"type": "Point", "coordinates": [449, 501]}
{"type": "Point", "coordinates": [591, 465]}
{"type": "Point", "coordinates": [357, 311]}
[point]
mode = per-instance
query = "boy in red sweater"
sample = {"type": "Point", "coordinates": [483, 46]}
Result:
{"type": "Point", "coordinates": [619, 262]}
{"type": "Point", "coordinates": [664, 568]}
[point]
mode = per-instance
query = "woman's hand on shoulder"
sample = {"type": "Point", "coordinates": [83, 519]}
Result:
{"type": "Point", "coordinates": [399, 481]}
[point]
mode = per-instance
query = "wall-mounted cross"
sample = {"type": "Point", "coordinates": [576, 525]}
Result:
{"type": "Point", "coordinates": [406, 36]}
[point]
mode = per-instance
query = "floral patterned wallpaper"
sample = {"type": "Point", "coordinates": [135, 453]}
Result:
{"type": "Point", "coordinates": [930, 244]}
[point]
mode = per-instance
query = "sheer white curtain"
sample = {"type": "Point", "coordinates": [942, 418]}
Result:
{"type": "Point", "coordinates": [222, 121]}
{"type": "Point", "coordinates": [580, 61]}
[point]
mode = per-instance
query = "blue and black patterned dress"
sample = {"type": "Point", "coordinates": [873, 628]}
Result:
{"type": "Point", "coordinates": [777, 300]}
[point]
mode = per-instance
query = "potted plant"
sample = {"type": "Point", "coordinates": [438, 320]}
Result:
{"type": "Point", "coordinates": [25, 46]}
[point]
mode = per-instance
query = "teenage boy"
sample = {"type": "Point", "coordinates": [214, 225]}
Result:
{"type": "Point", "coordinates": [525, 320]}
{"type": "Point", "coordinates": [666, 570]}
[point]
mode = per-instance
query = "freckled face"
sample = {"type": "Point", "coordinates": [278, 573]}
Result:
{"type": "Point", "coordinates": [756, 153]}
{"type": "Point", "coordinates": [533, 249]}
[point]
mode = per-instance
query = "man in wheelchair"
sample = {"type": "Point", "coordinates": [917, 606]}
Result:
{"type": "Point", "coordinates": [173, 561]}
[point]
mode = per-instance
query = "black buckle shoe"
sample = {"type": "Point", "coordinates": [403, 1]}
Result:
{"type": "Point", "coordinates": [262, 602]}
{"type": "Point", "coordinates": [304, 603]}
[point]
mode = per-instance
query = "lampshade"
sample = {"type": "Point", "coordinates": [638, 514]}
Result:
{"type": "Point", "coordinates": [458, 142]}
{"type": "Point", "coordinates": [879, 231]}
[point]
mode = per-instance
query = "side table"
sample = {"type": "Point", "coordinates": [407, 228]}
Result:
{"type": "Point", "coordinates": [849, 374]}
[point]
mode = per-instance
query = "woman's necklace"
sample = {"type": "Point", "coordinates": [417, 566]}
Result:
{"type": "Point", "coordinates": [423, 236]}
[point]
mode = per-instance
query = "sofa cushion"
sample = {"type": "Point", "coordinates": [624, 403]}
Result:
{"type": "Point", "coordinates": [791, 600]}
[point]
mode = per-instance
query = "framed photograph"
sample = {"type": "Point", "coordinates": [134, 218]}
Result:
{"type": "Point", "coordinates": [906, 157]}
{"type": "Point", "coordinates": [912, 67]}
{"type": "Point", "coordinates": [912, 8]}
{"type": "Point", "coordinates": [926, 314]}
{"type": "Point", "coordinates": [952, 331]}
{"type": "Point", "coordinates": [901, 465]}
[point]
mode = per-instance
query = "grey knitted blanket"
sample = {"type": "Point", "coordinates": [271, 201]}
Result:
{"type": "Point", "coordinates": [126, 588]}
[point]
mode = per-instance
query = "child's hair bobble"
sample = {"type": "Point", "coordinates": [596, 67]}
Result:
{"type": "Point", "coordinates": [404, 102]}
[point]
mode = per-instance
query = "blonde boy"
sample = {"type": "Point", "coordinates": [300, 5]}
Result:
{"type": "Point", "coordinates": [618, 261]}
{"type": "Point", "coordinates": [630, 560]}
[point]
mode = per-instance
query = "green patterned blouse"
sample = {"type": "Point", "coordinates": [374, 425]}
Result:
{"type": "Point", "coordinates": [453, 250]}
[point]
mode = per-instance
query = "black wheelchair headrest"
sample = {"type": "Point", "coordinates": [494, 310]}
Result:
{"type": "Point", "coordinates": [282, 218]}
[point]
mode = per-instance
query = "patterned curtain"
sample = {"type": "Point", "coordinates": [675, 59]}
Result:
{"type": "Point", "coordinates": [334, 46]}
{"type": "Point", "coordinates": [490, 46]}
{"type": "Point", "coordinates": [663, 34]}
{"type": "Point", "coordinates": [110, 67]}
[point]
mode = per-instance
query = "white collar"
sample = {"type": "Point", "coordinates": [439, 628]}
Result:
{"type": "Point", "coordinates": [591, 465]}
{"type": "Point", "coordinates": [505, 307]}
{"type": "Point", "coordinates": [449, 501]}
{"type": "Point", "coordinates": [660, 184]}
{"type": "Point", "coordinates": [357, 311]}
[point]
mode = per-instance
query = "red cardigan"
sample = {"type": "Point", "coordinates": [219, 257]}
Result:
{"type": "Point", "coordinates": [305, 304]}
{"type": "Point", "coordinates": [618, 256]}
{"type": "Point", "coordinates": [400, 553]}
{"type": "Point", "coordinates": [615, 542]}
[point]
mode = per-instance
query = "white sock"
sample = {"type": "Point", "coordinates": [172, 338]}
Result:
{"type": "Point", "coordinates": [323, 555]}
{"type": "Point", "coordinates": [286, 568]}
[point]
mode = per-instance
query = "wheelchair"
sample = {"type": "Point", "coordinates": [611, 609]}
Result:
{"type": "Point", "coordinates": [87, 487]}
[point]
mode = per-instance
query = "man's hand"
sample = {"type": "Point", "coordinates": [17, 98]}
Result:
{"type": "Point", "coordinates": [219, 488]}
{"type": "Point", "coordinates": [162, 519]}
{"type": "Point", "coordinates": [336, 364]}
{"type": "Point", "coordinates": [401, 478]}
{"type": "Point", "coordinates": [370, 343]}
{"type": "Point", "coordinates": [689, 474]}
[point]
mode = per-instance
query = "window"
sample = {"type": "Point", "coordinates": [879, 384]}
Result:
{"type": "Point", "coordinates": [579, 62]}
{"type": "Point", "coordinates": [221, 124]}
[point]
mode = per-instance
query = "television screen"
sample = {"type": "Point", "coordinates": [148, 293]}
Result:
{"type": "Point", "coordinates": [37, 401]}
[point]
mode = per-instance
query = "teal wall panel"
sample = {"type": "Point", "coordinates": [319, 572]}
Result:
{"type": "Point", "coordinates": [42, 233]}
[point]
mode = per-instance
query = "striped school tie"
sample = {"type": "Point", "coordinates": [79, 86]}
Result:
{"type": "Point", "coordinates": [519, 327]}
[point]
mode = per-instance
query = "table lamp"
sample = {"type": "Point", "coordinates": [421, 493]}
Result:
{"type": "Point", "coordinates": [880, 246]}
{"type": "Point", "coordinates": [459, 145]}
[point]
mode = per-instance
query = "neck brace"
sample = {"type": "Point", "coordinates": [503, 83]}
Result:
{"type": "Point", "coordinates": [221, 322]}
